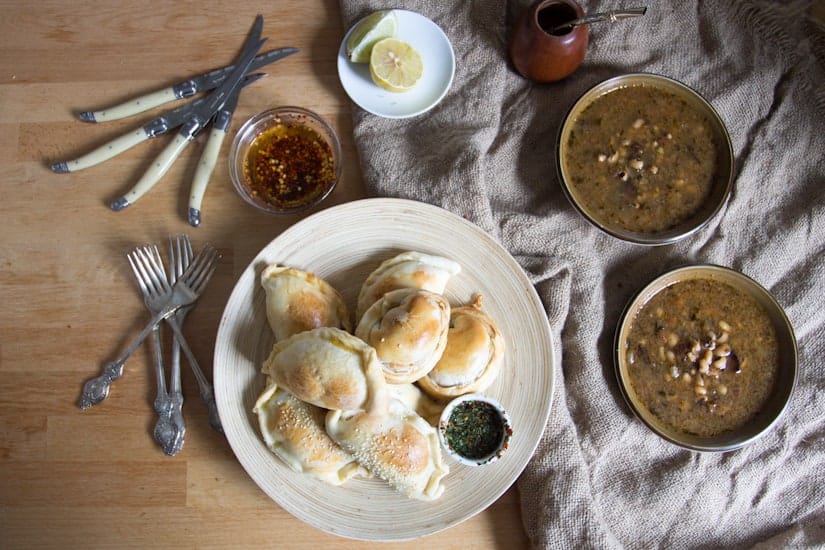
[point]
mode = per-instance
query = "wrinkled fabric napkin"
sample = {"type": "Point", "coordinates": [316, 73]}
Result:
{"type": "Point", "coordinates": [600, 478]}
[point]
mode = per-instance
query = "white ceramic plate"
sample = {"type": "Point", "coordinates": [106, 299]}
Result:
{"type": "Point", "coordinates": [343, 244]}
{"type": "Point", "coordinates": [439, 68]}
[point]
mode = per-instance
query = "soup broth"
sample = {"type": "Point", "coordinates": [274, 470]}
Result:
{"type": "Point", "coordinates": [702, 356]}
{"type": "Point", "coordinates": [641, 158]}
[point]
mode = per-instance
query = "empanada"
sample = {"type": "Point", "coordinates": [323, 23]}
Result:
{"type": "Point", "coordinates": [327, 367]}
{"type": "Point", "coordinates": [298, 300]}
{"type": "Point", "coordinates": [296, 433]}
{"type": "Point", "coordinates": [399, 447]}
{"type": "Point", "coordinates": [411, 395]}
{"type": "Point", "coordinates": [408, 329]}
{"type": "Point", "coordinates": [472, 358]}
{"type": "Point", "coordinates": [406, 270]}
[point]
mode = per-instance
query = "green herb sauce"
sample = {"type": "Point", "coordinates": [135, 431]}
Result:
{"type": "Point", "coordinates": [475, 429]}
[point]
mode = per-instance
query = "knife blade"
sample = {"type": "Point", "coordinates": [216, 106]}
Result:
{"type": "Point", "coordinates": [196, 120]}
{"type": "Point", "coordinates": [209, 156]}
{"type": "Point", "coordinates": [187, 88]}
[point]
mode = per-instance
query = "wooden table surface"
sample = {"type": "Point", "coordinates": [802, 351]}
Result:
{"type": "Point", "coordinates": [95, 478]}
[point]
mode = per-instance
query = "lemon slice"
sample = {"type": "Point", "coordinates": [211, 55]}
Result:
{"type": "Point", "coordinates": [395, 65]}
{"type": "Point", "coordinates": [376, 26]}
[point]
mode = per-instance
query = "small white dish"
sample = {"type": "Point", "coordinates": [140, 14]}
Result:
{"type": "Point", "coordinates": [470, 409]}
{"type": "Point", "coordinates": [439, 70]}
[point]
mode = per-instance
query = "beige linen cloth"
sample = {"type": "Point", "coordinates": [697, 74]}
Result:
{"type": "Point", "coordinates": [599, 478]}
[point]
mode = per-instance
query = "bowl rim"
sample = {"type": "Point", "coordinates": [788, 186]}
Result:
{"type": "Point", "coordinates": [784, 386]}
{"type": "Point", "coordinates": [683, 230]}
{"type": "Point", "coordinates": [444, 418]}
{"type": "Point", "coordinates": [248, 130]}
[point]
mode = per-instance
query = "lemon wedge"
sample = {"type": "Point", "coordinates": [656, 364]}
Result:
{"type": "Point", "coordinates": [376, 26]}
{"type": "Point", "coordinates": [395, 65]}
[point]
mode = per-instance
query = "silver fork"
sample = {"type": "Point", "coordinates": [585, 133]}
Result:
{"type": "Point", "coordinates": [180, 254]}
{"type": "Point", "coordinates": [206, 391]}
{"type": "Point", "coordinates": [167, 433]}
{"type": "Point", "coordinates": [185, 292]}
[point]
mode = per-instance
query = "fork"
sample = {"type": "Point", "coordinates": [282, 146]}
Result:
{"type": "Point", "coordinates": [177, 265]}
{"type": "Point", "coordinates": [167, 433]}
{"type": "Point", "coordinates": [206, 391]}
{"type": "Point", "coordinates": [185, 291]}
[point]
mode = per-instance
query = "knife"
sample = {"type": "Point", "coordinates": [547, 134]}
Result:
{"type": "Point", "coordinates": [154, 128]}
{"type": "Point", "coordinates": [196, 120]}
{"type": "Point", "coordinates": [209, 156]}
{"type": "Point", "coordinates": [181, 90]}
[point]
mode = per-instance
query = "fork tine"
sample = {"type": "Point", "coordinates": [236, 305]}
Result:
{"type": "Point", "coordinates": [202, 281]}
{"type": "Point", "coordinates": [204, 261]}
{"type": "Point", "coordinates": [148, 270]}
{"type": "Point", "coordinates": [173, 263]}
{"type": "Point", "coordinates": [188, 244]}
{"type": "Point", "coordinates": [183, 259]}
{"type": "Point", "coordinates": [145, 273]}
{"type": "Point", "coordinates": [178, 268]}
{"type": "Point", "coordinates": [159, 262]}
{"type": "Point", "coordinates": [138, 274]}
{"type": "Point", "coordinates": [156, 269]}
{"type": "Point", "coordinates": [198, 280]}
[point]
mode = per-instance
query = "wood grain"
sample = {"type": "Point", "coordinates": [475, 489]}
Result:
{"type": "Point", "coordinates": [71, 478]}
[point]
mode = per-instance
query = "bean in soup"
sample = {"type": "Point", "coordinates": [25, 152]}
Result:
{"type": "Point", "coordinates": [702, 356]}
{"type": "Point", "coordinates": [641, 158]}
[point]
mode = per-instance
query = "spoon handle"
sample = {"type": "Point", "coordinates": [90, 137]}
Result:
{"type": "Point", "coordinates": [611, 16]}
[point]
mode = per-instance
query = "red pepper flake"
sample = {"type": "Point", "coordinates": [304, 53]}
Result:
{"type": "Point", "coordinates": [289, 165]}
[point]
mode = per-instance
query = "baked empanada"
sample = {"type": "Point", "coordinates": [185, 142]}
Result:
{"type": "Point", "coordinates": [406, 270]}
{"type": "Point", "coordinates": [295, 431]}
{"type": "Point", "coordinates": [472, 358]}
{"type": "Point", "coordinates": [398, 446]}
{"type": "Point", "coordinates": [327, 367]}
{"type": "Point", "coordinates": [411, 395]}
{"type": "Point", "coordinates": [408, 329]}
{"type": "Point", "coordinates": [298, 300]}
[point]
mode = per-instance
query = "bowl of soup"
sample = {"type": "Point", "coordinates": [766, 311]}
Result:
{"type": "Point", "coordinates": [645, 159]}
{"type": "Point", "coordinates": [706, 358]}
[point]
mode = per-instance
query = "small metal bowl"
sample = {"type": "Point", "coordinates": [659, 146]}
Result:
{"type": "Point", "coordinates": [721, 186]}
{"type": "Point", "coordinates": [783, 386]}
{"type": "Point", "coordinates": [303, 183]}
{"type": "Point", "coordinates": [502, 418]}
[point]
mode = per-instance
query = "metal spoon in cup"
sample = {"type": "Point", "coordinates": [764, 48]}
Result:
{"type": "Point", "coordinates": [611, 16]}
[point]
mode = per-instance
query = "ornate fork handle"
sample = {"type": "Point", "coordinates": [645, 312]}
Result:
{"type": "Point", "coordinates": [168, 433]}
{"type": "Point", "coordinates": [207, 394]}
{"type": "Point", "coordinates": [96, 389]}
{"type": "Point", "coordinates": [175, 390]}
{"type": "Point", "coordinates": [179, 426]}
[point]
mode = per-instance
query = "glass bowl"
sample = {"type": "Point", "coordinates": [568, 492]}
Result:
{"type": "Point", "coordinates": [285, 160]}
{"type": "Point", "coordinates": [455, 432]}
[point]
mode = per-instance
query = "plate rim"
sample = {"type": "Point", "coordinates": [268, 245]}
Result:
{"type": "Point", "coordinates": [551, 354]}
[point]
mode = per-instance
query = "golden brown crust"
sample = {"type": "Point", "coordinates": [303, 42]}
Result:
{"type": "Point", "coordinates": [295, 431]}
{"type": "Point", "coordinates": [408, 329]}
{"type": "Point", "coordinates": [472, 358]}
{"type": "Point", "coordinates": [327, 367]}
{"type": "Point", "coordinates": [405, 270]}
{"type": "Point", "coordinates": [298, 300]}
